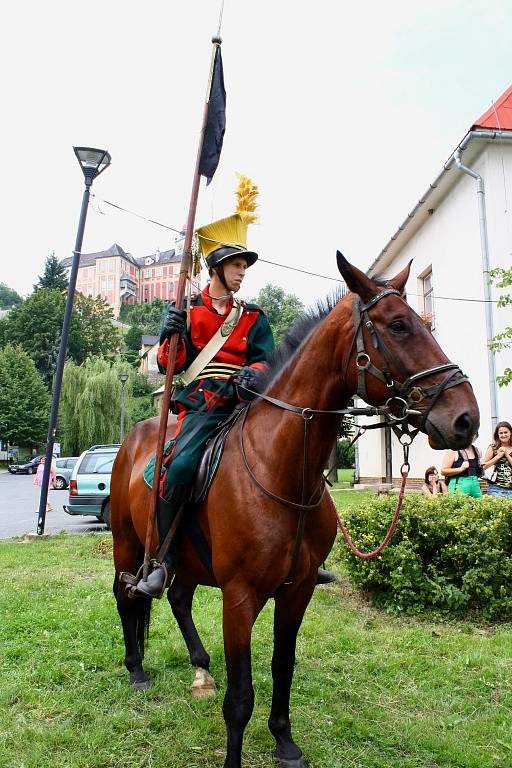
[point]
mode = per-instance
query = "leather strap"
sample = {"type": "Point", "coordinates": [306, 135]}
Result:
{"type": "Point", "coordinates": [216, 342]}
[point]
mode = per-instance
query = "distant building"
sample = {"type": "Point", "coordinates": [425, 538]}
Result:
{"type": "Point", "coordinates": [148, 352]}
{"type": "Point", "coordinates": [119, 278]}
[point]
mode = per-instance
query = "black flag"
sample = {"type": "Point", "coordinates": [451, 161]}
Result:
{"type": "Point", "coordinates": [215, 123]}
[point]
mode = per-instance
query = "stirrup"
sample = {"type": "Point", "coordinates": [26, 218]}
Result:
{"type": "Point", "coordinates": [156, 582]}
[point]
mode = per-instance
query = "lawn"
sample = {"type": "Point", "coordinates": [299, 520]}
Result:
{"type": "Point", "coordinates": [371, 690]}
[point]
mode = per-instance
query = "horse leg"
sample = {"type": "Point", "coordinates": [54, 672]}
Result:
{"type": "Point", "coordinates": [180, 599]}
{"type": "Point", "coordinates": [288, 614]}
{"type": "Point", "coordinates": [240, 610]}
{"type": "Point", "coordinates": [134, 614]}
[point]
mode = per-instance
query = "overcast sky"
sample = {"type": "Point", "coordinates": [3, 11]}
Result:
{"type": "Point", "coordinates": [341, 112]}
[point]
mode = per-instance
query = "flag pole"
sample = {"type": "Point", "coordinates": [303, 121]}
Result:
{"type": "Point", "coordinates": [186, 261]}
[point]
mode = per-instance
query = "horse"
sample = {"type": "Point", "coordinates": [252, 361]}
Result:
{"type": "Point", "coordinates": [270, 483]}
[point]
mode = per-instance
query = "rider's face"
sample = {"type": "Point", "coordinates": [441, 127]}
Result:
{"type": "Point", "coordinates": [234, 272]}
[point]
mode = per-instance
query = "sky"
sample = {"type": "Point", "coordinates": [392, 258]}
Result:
{"type": "Point", "coordinates": [341, 112]}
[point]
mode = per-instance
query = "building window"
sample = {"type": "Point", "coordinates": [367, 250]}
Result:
{"type": "Point", "coordinates": [427, 312]}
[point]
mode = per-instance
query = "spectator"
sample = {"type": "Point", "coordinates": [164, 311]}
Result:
{"type": "Point", "coordinates": [38, 480]}
{"type": "Point", "coordinates": [433, 486]}
{"type": "Point", "coordinates": [499, 456]}
{"type": "Point", "coordinates": [463, 469]}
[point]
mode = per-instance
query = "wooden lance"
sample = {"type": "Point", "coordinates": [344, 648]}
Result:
{"type": "Point", "coordinates": [186, 261]}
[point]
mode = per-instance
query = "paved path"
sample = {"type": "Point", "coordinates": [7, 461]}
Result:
{"type": "Point", "coordinates": [19, 503]}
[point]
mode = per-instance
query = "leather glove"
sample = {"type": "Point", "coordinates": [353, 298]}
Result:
{"type": "Point", "coordinates": [175, 322]}
{"type": "Point", "coordinates": [247, 378]}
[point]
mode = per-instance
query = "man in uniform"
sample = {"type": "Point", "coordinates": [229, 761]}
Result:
{"type": "Point", "coordinates": [214, 379]}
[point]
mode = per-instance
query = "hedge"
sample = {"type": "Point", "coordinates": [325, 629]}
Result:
{"type": "Point", "coordinates": [452, 554]}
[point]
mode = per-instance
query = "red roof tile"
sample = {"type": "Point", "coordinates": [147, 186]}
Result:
{"type": "Point", "coordinates": [499, 115]}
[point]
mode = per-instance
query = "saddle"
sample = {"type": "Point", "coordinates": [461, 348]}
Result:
{"type": "Point", "coordinates": [210, 460]}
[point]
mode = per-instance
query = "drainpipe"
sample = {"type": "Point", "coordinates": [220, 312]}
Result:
{"type": "Point", "coordinates": [484, 245]}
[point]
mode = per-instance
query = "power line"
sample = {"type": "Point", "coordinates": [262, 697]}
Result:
{"type": "Point", "coordinates": [286, 266]}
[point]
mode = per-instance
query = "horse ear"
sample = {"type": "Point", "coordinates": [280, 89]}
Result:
{"type": "Point", "coordinates": [356, 281]}
{"type": "Point", "coordinates": [399, 281]}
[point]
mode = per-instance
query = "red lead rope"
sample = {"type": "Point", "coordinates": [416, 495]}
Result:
{"type": "Point", "coordinates": [394, 522]}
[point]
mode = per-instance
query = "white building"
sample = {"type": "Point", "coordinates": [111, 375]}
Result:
{"type": "Point", "coordinates": [461, 227]}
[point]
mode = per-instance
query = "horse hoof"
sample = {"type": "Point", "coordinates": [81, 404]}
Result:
{"type": "Point", "coordinates": [282, 762]}
{"type": "Point", "coordinates": [139, 683]}
{"type": "Point", "coordinates": [204, 685]}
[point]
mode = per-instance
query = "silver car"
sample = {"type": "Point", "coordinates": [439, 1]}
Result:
{"type": "Point", "coordinates": [63, 469]}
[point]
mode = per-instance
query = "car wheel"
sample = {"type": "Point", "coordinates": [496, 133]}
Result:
{"type": "Point", "coordinates": [105, 514]}
{"type": "Point", "coordinates": [59, 483]}
{"type": "Point", "coordinates": [32, 470]}
{"type": "Point", "coordinates": [11, 470]}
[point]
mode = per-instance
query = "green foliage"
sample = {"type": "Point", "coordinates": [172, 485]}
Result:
{"type": "Point", "coordinates": [54, 275]}
{"type": "Point", "coordinates": [90, 407]}
{"type": "Point", "coordinates": [281, 309]}
{"type": "Point", "coordinates": [92, 332]}
{"type": "Point", "coordinates": [133, 338]}
{"type": "Point", "coordinates": [147, 317]}
{"type": "Point", "coordinates": [345, 453]}
{"type": "Point", "coordinates": [24, 400]}
{"type": "Point", "coordinates": [502, 278]}
{"type": "Point", "coordinates": [452, 554]}
{"type": "Point", "coordinates": [8, 297]}
{"type": "Point", "coordinates": [141, 385]}
{"type": "Point", "coordinates": [36, 325]}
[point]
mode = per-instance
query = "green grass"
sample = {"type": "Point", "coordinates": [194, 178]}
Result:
{"type": "Point", "coordinates": [370, 690]}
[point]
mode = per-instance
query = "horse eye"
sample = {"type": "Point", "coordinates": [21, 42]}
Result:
{"type": "Point", "coordinates": [398, 326]}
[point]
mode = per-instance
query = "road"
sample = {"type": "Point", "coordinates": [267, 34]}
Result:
{"type": "Point", "coordinates": [19, 503]}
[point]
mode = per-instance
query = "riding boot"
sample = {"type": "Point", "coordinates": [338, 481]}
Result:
{"type": "Point", "coordinates": [166, 512]}
{"type": "Point", "coordinates": [325, 577]}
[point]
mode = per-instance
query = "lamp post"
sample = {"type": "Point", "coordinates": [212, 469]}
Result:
{"type": "Point", "coordinates": [92, 162]}
{"type": "Point", "coordinates": [123, 378]}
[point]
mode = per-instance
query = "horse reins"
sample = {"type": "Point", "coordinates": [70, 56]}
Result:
{"type": "Point", "coordinates": [405, 394]}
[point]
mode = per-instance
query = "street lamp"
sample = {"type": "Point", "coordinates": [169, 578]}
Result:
{"type": "Point", "coordinates": [123, 378]}
{"type": "Point", "coordinates": [92, 162]}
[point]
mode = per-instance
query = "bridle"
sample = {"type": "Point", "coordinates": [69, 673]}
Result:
{"type": "Point", "coordinates": [405, 397]}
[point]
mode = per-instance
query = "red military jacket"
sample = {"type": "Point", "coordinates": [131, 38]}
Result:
{"type": "Point", "coordinates": [249, 343]}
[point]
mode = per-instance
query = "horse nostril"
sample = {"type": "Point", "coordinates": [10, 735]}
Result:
{"type": "Point", "coordinates": [464, 423]}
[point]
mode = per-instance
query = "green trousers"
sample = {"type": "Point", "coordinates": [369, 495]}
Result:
{"type": "Point", "coordinates": [468, 485]}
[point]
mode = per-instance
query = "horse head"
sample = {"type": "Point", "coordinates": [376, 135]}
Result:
{"type": "Point", "coordinates": [394, 357]}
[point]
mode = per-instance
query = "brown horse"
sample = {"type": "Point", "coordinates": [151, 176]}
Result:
{"type": "Point", "coordinates": [369, 342]}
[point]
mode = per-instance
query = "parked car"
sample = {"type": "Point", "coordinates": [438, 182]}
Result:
{"type": "Point", "coordinates": [63, 468]}
{"type": "Point", "coordinates": [89, 485]}
{"type": "Point", "coordinates": [27, 466]}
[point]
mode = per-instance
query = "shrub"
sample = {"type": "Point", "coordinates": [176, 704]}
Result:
{"type": "Point", "coordinates": [452, 554]}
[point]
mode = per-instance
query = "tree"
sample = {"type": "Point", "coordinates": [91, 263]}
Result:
{"type": "Point", "coordinates": [147, 317]}
{"type": "Point", "coordinates": [24, 400]}
{"type": "Point", "coordinates": [90, 407]}
{"type": "Point", "coordinates": [502, 278]}
{"type": "Point", "coordinates": [36, 325]}
{"type": "Point", "coordinates": [133, 338]}
{"type": "Point", "coordinates": [8, 297]}
{"type": "Point", "coordinates": [281, 309]}
{"type": "Point", "coordinates": [54, 275]}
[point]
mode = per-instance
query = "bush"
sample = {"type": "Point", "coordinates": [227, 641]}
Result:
{"type": "Point", "coordinates": [452, 554]}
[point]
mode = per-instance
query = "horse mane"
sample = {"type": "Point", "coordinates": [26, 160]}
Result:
{"type": "Point", "coordinates": [303, 326]}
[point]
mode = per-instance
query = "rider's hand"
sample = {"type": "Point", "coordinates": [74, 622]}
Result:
{"type": "Point", "coordinates": [247, 378]}
{"type": "Point", "coordinates": [175, 322]}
